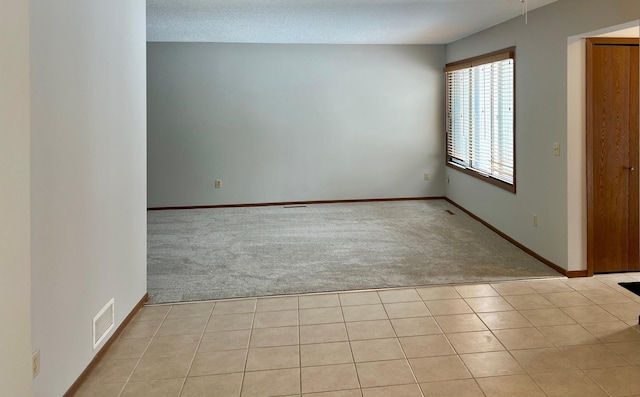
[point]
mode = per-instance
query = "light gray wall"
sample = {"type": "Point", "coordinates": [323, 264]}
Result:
{"type": "Point", "coordinates": [293, 122]}
{"type": "Point", "coordinates": [541, 101]}
{"type": "Point", "coordinates": [15, 270]}
{"type": "Point", "coordinates": [88, 176]}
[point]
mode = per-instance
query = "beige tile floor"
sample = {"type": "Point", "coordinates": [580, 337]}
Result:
{"type": "Point", "coordinates": [560, 337]}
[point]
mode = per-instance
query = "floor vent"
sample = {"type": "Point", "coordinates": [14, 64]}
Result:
{"type": "Point", "coordinates": [450, 212]}
{"type": "Point", "coordinates": [295, 206]}
{"type": "Point", "coordinates": [103, 322]}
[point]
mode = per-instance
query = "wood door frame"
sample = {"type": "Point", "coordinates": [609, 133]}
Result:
{"type": "Point", "coordinates": [590, 42]}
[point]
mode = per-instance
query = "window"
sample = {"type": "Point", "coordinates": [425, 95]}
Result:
{"type": "Point", "coordinates": [480, 117]}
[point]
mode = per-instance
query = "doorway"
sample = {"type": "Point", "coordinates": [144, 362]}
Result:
{"type": "Point", "coordinates": [613, 182]}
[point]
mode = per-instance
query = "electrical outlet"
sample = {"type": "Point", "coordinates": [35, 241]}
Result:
{"type": "Point", "coordinates": [556, 149]}
{"type": "Point", "coordinates": [426, 176]}
{"type": "Point", "coordinates": [35, 363]}
{"type": "Point", "coordinates": [535, 221]}
{"type": "Point", "coordinates": [218, 184]}
{"type": "Point", "coordinates": [447, 178]}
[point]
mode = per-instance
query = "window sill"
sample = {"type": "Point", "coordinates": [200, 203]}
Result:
{"type": "Point", "coordinates": [486, 178]}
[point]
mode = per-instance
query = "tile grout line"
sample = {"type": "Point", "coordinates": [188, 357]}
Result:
{"type": "Point", "coordinates": [353, 357]}
{"type": "Point", "coordinates": [299, 342]}
{"type": "Point", "coordinates": [475, 379]}
{"type": "Point", "coordinates": [195, 354]}
{"type": "Point", "coordinates": [145, 351]}
{"type": "Point", "coordinates": [246, 359]}
{"type": "Point", "coordinates": [598, 384]}
{"type": "Point", "coordinates": [404, 354]}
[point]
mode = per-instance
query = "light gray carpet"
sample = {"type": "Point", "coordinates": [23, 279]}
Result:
{"type": "Point", "coordinates": [237, 252]}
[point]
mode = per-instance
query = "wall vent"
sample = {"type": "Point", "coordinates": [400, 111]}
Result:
{"type": "Point", "coordinates": [103, 322]}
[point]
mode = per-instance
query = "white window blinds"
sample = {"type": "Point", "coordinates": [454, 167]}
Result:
{"type": "Point", "coordinates": [480, 117]}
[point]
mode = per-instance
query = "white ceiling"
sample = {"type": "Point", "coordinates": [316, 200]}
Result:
{"type": "Point", "coordinates": [327, 21]}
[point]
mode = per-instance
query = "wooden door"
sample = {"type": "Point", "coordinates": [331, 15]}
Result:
{"type": "Point", "coordinates": [613, 171]}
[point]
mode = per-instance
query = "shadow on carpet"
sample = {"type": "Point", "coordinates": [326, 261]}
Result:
{"type": "Point", "coordinates": [221, 253]}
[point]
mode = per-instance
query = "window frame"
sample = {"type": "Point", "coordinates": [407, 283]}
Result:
{"type": "Point", "coordinates": [495, 56]}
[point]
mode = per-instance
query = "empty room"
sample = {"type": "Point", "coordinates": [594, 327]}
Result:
{"type": "Point", "coordinates": [336, 198]}
{"type": "Point", "coordinates": [320, 134]}
{"type": "Point", "coordinates": [320, 147]}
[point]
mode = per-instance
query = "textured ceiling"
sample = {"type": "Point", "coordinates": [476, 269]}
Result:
{"type": "Point", "coordinates": [327, 21]}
